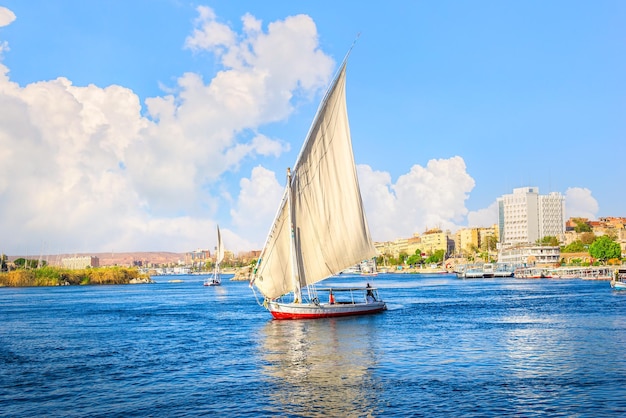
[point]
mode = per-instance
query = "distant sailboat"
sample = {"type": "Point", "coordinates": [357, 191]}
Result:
{"type": "Point", "coordinates": [320, 228]}
{"type": "Point", "coordinates": [216, 278]}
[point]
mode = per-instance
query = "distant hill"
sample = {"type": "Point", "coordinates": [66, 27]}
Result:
{"type": "Point", "coordinates": [112, 259]}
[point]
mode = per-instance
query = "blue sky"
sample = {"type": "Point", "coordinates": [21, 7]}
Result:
{"type": "Point", "coordinates": [137, 126]}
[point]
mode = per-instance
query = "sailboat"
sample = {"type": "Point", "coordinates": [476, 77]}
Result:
{"type": "Point", "coordinates": [216, 278]}
{"type": "Point", "coordinates": [320, 228]}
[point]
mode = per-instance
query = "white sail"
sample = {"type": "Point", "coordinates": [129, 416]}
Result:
{"type": "Point", "coordinates": [329, 225]}
{"type": "Point", "coordinates": [219, 251]}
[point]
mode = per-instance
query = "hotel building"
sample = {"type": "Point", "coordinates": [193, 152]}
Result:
{"type": "Point", "coordinates": [525, 216]}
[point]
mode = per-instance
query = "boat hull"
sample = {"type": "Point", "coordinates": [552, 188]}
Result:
{"type": "Point", "coordinates": [212, 284]}
{"type": "Point", "coordinates": [618, 285]}
{"type": "Point", "coordinates": [323, 310]}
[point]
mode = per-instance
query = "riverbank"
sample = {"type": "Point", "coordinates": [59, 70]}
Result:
{"type": "Point", "coordinates": [56, 276]}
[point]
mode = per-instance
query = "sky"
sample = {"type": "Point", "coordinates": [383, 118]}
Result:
{"type": "Point", "coordinates": [141, 125]}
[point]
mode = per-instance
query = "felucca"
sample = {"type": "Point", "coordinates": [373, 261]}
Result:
{"type": "Point", "coordinates": [320, 228]}
{"type": "Point", "coordinates": [216, 278]}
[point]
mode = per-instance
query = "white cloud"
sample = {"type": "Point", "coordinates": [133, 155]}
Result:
{"type": "Point", "coordinates": [425, 197]}
{"type": "Point", "coordinates": [6, 16]}
{"type": "Point", "coordinates": [210, 35]}
{"type": "Point", "coordinates": [257, 204]}
{"type": "Point", "coordinates": [580, 203]}
{"type": "Point", "coordinates": [483, 217]}
{"type": "Point", "coordinates": [83, 169]}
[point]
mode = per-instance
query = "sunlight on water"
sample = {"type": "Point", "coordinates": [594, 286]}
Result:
{"type": "Point", "coordinates": [319, 367]}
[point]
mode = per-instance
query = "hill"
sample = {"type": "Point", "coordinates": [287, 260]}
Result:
{"type": "Point", "coordinates": [113, 259]}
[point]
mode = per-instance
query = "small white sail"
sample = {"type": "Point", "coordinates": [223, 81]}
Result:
{"type": "Point", "coordinates": [216, 278]}
{"type": "Point", "coordinates": [330, 229]}
{"type": "Point", "coordinates": [219, 255]}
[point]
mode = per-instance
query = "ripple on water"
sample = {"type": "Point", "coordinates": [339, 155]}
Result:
{"type": "Point", "coordinates": [445, 347]}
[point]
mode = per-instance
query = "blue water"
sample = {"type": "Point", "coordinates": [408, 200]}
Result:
{"type": "Point", "coordinates": [445, 347]}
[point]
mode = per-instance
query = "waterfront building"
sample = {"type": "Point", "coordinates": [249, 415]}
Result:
{"type": "Point", "coordinates": [435, 239]}
{"type": "Point", "coordinates": [525, 216]}
{"type": "Point", "coordinates": [470, 240]}
{"type": "Point", "coordinates": [401, 245]}
{"type": "Point", "coordinates": [530, 255]}
{"type": "Point", "coordinates": [466, 240]}
{"type": "Point", "coordinates": [488, 238]}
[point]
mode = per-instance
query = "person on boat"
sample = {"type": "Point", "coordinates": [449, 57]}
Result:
{"type": "Point", "coordinates": [331, 298]}
{"type": "Point", "coordinates": [369, 296]}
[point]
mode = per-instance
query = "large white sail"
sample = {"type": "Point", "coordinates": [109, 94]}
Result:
{"type": "Point", "coordinates": [330, 229]}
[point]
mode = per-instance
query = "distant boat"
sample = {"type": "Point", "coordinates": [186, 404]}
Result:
{"type": "Point", "coordinates": [216, 278]}
{"type": "Point", "coordinates": [585, 273]}
{"type": "Point", "coordinates": [320, 228]}
{"type": "Point", "coordinates": [485, 270]}
{"type": "Point", "coordinates": [532, 273]}
{"type": "Point", "coordinates": [368, 268]}
{"type": "Point", "coordinates": [619, 281]}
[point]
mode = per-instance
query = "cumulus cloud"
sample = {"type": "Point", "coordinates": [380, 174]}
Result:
{"type": "Point", "coordinates": [257, 203]}
{"type": "Point", "coordinates": [580, 203]}
{"type": "Point", "coordinates": [209, 34]}
{"type": "Point", "coordinates": [6, 16]}
{"type": "Point", "coordinates": [483, 217]}
{"type": "Point", "coordinates": [426, 197]}
{"type": "Point", "coordinates": [83, 169]}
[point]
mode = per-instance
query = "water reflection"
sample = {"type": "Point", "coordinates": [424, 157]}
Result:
{"type": "Point", "coordinates": [320, 367]}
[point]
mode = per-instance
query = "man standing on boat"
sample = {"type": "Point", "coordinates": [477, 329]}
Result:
{"type": "Point", "coordinates": [370, 294]}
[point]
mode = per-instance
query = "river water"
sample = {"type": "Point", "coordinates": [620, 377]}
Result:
{"type": "Point", "coordinates": [484, 347]}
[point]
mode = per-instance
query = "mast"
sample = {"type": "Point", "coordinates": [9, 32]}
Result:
{"type": "Point", "coordinates": [295, 277]}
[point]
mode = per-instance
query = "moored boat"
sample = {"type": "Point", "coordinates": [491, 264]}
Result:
{"type": "Point", "coordinates": [484, 270]}
{"type": "Point", "coordinates": [532, 273]}
{"type": "Point", "coordinates": [619, 281]}
{"type": "Point", "coordinates": [585, 273]}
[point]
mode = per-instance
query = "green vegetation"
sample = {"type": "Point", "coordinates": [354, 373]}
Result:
{"type": "Point", "coordinates": [416, 258]}
{"type": "Point", "coordinates": [605, 248]}
{"type": "Point", "coordinates": [575, 247]}
{"type": "Point", "coordinates": [548, 240]}
{"type": "Point", "coordinates": [31, 264]}
{"type": "Point", "coordinates": [436, 257]}
{"type": "Point", "coordinates": [581, 225]}
{"type": "Point", "coordinates": [56, 276]}
{"type": "Point", "coordinates": [490, 243]}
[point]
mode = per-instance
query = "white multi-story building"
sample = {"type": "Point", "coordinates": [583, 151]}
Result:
{"type": "Point", "coordinates": [525, 216]}
{"type": "Point", "coordinates": [528, 255]}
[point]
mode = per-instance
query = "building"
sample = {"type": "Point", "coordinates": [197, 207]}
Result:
{"type": "Point", "coordinates": [466, 241]}
{"type": "Point", "coordinates": [488, 237]}
{"type": "Point", "coordinates": [197, 258]}
{"type": "Point", "coordinates": [393, 249]}
{"type": "Point", "coordinates": [530, 255]}
{"type": "Point", "coordinates": [525, 216]}
{"type": "Point", "coordinates": [434, 240]}
{"type": "Point", "coordinates": [470, 240]}
{"type": "Point", "coordinates": [76, 263]}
